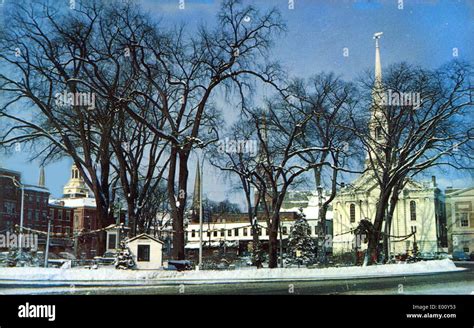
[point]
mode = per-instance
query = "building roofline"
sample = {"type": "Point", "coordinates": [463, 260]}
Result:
{"type": "Point", "coordinates": [145, 235]}
{"type": "Point", "coordinates": [457, 192]}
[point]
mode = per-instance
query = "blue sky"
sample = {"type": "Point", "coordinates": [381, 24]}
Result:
{"type": "Point", "coordinates": [423, 32]}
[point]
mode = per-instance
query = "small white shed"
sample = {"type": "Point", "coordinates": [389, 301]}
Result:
{"type": "Point", "coordinates": [147, 252]}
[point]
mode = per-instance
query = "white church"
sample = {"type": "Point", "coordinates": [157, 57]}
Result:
{"type": "Point", "coordinates": [419, 212]}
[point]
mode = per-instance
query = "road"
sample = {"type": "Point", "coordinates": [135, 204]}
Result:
{"type": "Point", "coordinates": [445, 283]}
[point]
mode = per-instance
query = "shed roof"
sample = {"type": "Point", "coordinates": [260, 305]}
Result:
{"type": "Point", "coordinates": [146, 236]}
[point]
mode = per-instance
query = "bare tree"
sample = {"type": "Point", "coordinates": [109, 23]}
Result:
{"type": "Point", "coordinates": [332, 102]}
{"type": "Point", "coordinates": [236, 154]}
{"type": "Point", "coordinates": [186, 71]}
{"type": "Point", "coordinates": [420, 119]}
{"type": "Point", "coordinates": [71, 68]}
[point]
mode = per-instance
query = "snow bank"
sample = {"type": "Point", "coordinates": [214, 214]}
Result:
{"type": "Point", "coordinates": [112, 276]}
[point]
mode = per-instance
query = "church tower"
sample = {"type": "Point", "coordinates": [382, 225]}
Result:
{"type": "Point", "coordinates": [378, 122]}
{"type": "Point", "coordinates": [76, 186]}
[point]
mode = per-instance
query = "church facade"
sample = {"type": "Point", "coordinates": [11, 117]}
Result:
{"type": "Point", "coordinates": [419, 213]}
{"type": "Point", "coordinates": [419, 220]}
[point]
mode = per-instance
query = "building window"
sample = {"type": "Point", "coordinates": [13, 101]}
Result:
{"type": "Point", "coordinates": [229, 233]}
{"type": "Point", "coordinates": [413, 210]}
{"type": "Point", "coordinates": [315, 230]}
{"type": "Point", "coordinates": [9, 207]}
{"type": "Point", "coordinates": [143, 253]}
{"type": "Point", "coordinates": [208, 233]}
{"type": "Point", "coordinates": [222, 232]}
{"type": "Point", "coordinates": [236, 232]}
{"type": "Point", "coordinates": [112, 241]}
{"type": "Point", "coordinates": [352, 212]}
{"type": "Point", "coordinates": [245, 231]}
{"type": "Point", "coordinates": [193, 233]}
{"type": "Point", "coordinates": [466, 249]}
{"type": "Point", "coordinates": [463, 219]}
{"type": "Point", "coordinates": [285, 230]}
{"type": "Point", "coordinates": [215, 233]}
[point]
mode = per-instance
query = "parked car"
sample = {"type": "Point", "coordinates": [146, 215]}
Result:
{"type": "Point", "coordinates": [426, 256]}
{"type": "Point", "coordinates": [176, 265]}
{"type": "Point", "coordinates": [67, 256]}
{"type": "Point", "coordinates": [460, 256]}
{"type": "Point", "coordinates": [442, 255]}
{"type": "Point", "coordinates": [107, 259]}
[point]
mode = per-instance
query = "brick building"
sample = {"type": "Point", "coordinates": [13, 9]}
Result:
{"type": "Point", "coordinates": [77, 197]}
{"type": "Point", "coordinates": [36, 210]}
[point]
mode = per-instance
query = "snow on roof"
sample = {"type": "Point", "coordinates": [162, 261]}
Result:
{"type": "Point", "coordinates": [144, 235]}
{"type": "Point", "coordinates": [36, 188]}
{"type": "Point", "coordinates": [78, 202]}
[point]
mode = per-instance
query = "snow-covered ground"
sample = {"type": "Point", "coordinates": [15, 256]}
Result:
{"type": "Point", "coordinates": [135, 277]}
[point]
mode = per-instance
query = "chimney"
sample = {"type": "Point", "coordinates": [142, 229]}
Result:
{"type": "Point", "coordinates": [433, 179]}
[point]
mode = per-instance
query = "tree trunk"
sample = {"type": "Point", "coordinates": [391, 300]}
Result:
{"type": "Point", "coordinates": [372, 254]}
{"type": "Point", "coordinates": [388, 223]}
{"type": "Point", "coordinates": [273, 241]}
{"type": "Point", "coordinates": [252, 212]}
{"type": "Point", "coordinates": [178, 211]}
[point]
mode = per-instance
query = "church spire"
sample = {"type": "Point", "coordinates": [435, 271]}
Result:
{"type": "Point", "coordinates": [42, 179]}
{"type": "Point", "coordinates": [197, 187]}
{"type": "Point", "coordinates": [378, 64]}
{"type": "Point", "coordinates": [377, 124]}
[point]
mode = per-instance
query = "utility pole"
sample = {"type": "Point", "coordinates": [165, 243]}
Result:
{"type": "Point", "coordinates": [322, 227]}
{"type": "Point", "coordinates": [281, 246]}
{"type": "Point", "coordinates": [46, 249]}
{"type": "Point", "coordinates": [20, 239]}
{"type": "Point", "coordinates": [200, 211]}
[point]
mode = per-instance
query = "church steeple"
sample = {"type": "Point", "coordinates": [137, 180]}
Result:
{"type": "Point", "coordinates": [42, 179]}
{"type": "Point", "coordinates": [377, 124]}
{"type": "Point", "coordinates": [378, 64]}
{"type": "Point", "coordinates": [196, 195]}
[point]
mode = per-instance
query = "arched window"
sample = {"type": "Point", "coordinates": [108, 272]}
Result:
{"type": "Point", "coordinates": [413, 210]}
{"type": "Point", "coordinates": [352, 212]}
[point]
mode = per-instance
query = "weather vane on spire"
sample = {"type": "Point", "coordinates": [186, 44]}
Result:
{"type": "Point", "coordinates": [377, 36]}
